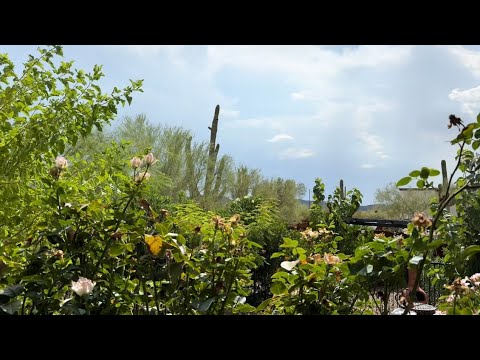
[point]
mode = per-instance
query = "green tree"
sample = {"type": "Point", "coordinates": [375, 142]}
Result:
{"type": "Point", "coordinates": [244, 181]}
{"type": "Point", "coordinates": [287, 193]}
{"type": "Point", "coordinates": [45, 109]}
{"type": "Point", "coordinates": [402, 204]}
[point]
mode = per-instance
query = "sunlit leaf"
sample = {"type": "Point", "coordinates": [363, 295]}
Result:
{"type": "Point", "coordinates": [471, 250]}
{"type": "Point", "coordinates": [154, 243]}
{"type": "Point", "coordinates": [404, 181]}
{"type": "Point", "coordinates": [278, 288]}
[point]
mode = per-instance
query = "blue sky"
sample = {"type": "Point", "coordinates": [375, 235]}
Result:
{"type": "Point", "coordinates": [367, 114]}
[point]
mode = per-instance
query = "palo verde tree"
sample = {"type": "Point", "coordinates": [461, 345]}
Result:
{"type": "Point", "coordinates": [244, 181]}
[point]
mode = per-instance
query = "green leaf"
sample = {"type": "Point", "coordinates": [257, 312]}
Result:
{"type": "Point", "coordinates": [414, 173]}
{"type": "Point", "coordinates": [254, 244]}
{"type": "Point", "coordinates": [204, 306]}
{"type": "Point", "coordinates": [289, 243]}
{"type": "Point", "coordinates": [299, 250]}
{"type": "Point", "coordinates": [404, 181]}
{"type": "Point", "coordinates": [276, 255]}
{"type": "Point", "coordinates": [176, 270]}
{"type": "Point", "coordinates": [466, 311]}
{"type": "Point", "coordinates": [434, 172]}
{"type": "Point", "coordinates": [475, 144]}
{"type": "Point", "coordinates": [424, 172]}
{"type": "Point", "coordinates": [435, 244]}
{"type": "Point", "coordinates": [10, 293]}
{"type": "Point", "coordinates": [12, 307]}
{"type": "Point", "coordinates": [421, 184]}
{"type": "Point", "coordinates": [478, 118]}
{"type": "Point", "coordinates": [278, 288]}
{"type": "Point", "coordinates": [264, 304]}
{"type": "Point", "coordinates": [416, 259]}
{"type": "Point", "coordinates": [471, 250]}
{"type": "Point", "coordinates": [466, 133]}
{"type": "Point", "coordinates": [116, 249]}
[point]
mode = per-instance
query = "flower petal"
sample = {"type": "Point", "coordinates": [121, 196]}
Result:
{"type": "Point", "coordinates": [289, 265]}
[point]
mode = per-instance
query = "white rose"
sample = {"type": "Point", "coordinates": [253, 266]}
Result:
{"type": "Point", "coordinates": [83, 286]}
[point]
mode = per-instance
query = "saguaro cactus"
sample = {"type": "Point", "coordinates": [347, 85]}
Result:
{"type": "Point", "coordinates": [212, 155]}
{"type": "Point", "coordinates": [343, 190]}
{"type": "Point", "coordinates": [216, 171]}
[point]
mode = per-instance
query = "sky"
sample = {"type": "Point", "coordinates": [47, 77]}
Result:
{"type": "Point", "coordinates": [366, 114]}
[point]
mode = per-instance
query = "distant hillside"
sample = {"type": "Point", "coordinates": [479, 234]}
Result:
{"type": "Point", "coordinates": [362, 207]}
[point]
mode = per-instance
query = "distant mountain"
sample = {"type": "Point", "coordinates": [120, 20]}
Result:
{"type": "Point", "coordinates": [362, 207]}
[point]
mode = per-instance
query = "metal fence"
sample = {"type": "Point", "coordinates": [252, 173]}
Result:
{"type": "Point", "coordinates": [262, 281]}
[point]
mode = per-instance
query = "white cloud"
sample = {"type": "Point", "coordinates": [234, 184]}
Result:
{"type": "Point", "coordinates": [297, 95]}
{"type": "Point", "coordinates": [469, 58]}
{"type": "Point", "coordinates": [280, 137]}
{"type": "Point", "coordinates": [262, 122]}
{"type": "Point", "coordinates": [295, 153]}
{"type": "Point", "coordinates": [367, 166]}
{"type": "Point", "coordinates": [470, 99]}
{"type": "Point", "coordinates": [229, 114]}
{"type": "Point", "coordinates": [151, 52]}
{"type": "Point", "coordinates": [367, 122]}
{"type": "Point", "coordinates": [381, 155]}
{"type": "Point", "coordinates": [303, 62]}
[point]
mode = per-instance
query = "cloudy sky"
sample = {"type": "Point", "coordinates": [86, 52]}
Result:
{"type": "Point", "coordinates": [365, 114]}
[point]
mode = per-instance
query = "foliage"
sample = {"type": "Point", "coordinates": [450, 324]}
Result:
{"type": "Point", "coordinates": [84, 230]}
{"type": "Point", "coordinates": [335, 213]}
{"type": "Point", "coordinates": [286, 193]}
{"type": "Point", "coordinates": [265, 227]}
{"type": "Point", "coordinates": [44, 109]}
{"type": "Point", "coordinates": [380, 265]}
{"type": "Point", "coordinates": [312, 280]}
{"type": "Point", "coordinates": [453, 236]}
{"type": "Point", "coordinates": [396, 204]}
{"type": "Point", "coordinates": [463, 297]}
{"type": "Point", "coordinates": [101, 228]}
